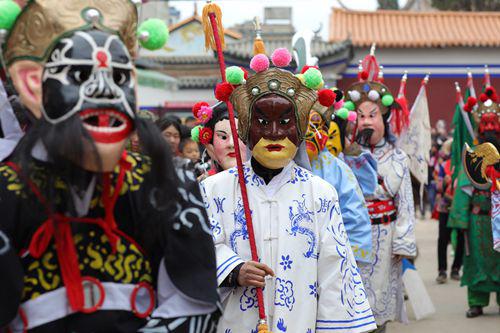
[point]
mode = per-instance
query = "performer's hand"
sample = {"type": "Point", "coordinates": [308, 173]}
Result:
{"type": "Point", "coordinates": [252, 274]}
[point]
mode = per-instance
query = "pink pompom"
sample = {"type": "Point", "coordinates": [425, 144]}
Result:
{"type": "Point", "coordinates": [281, 57]}
{"type": "Point", "coordinates": [352, 116]}
{"type": "Point", "coordinates": [259, 63]}
{"type": "Point", "coordinates": [338, 105]}
{"type": "Point", "coordinates": [205, 114]}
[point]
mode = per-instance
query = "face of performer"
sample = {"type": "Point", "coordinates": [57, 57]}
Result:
{"type": "Point", "coordinates": [334, 144]}
{"type": "Point", "coordinates": [222, 149]}
{"type": "Point", "coordinates": [273, 135]}
{"type": "Point", "coordinates": [90, 74]}
{"type": "Point", "coordinates": [316, 135]}
{"type": "Point", "coordinates": [370, 117]}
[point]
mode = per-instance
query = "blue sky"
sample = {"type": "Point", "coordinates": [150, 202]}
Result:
{"type": "Point", "coordinates": [307, 14]}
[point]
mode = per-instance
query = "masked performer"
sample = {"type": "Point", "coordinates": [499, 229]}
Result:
{"type": "Point", "coordinates": [332, 169]}
{"type": "Point", "coordinates": [214, 134]}
{"type": "Point", "coordinates": [87, 229]}
{"type": "Point", "coordinates": [306, 263]}
{"type": "Point", "coordinates": [475, 204]}
{"type": "Point", "coordinates": [361, 162]}
{"type": "Point", "coordinates": [391, 204]}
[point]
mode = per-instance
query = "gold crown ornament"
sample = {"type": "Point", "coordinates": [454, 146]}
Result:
{"type": "Point", "coordinates": [43, 22]}
{"type": "Point", "coordinates": [302, 90]}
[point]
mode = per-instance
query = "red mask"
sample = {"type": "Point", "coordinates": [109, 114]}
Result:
{"type": "Point", "coordinates": [489, 123]}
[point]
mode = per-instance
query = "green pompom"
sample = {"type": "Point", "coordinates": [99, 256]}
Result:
{"type": "Point", "coordinates": [235, 75]}
{"type": "Point", "coordinates": [313, 78]}
{"type": "Point", "coordinates": [349, 105]}
{"type": "Point", "coordinates": [9, 10]}
{"type": "Point", "coordinates": [195, 133]}
{"type": "Point", "coordinates": [153, 34]}
{"type": "Point", "coordinates": [387, 100]}
{"type": "Point", "coordinates": [343, 113]}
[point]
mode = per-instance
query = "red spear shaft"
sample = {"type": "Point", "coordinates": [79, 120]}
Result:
{"type": "Point", "coordinates": [241, 175]}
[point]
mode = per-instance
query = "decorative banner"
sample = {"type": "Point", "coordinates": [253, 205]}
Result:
{"type": "Point", "coordinates": [416, 140]}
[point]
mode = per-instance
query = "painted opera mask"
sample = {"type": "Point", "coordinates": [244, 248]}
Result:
{"type": "Point", "coordinates": [222, 148]}
{"type": "Point", "coordinates": [486, 116]}
{"type": "Point", "coordinates": [273, 136]}
{"type": "Point", "coordinates": [370, 123]}
{"type": "Point", "coordinates": [316, 136]}
{"type": "Point", "coordinates": [90, 75]}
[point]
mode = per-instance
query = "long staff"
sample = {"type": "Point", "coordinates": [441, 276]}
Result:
{"type": "Point", "coordinates": [214, 38]}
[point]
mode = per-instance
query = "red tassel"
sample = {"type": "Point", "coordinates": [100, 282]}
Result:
{"type": "Point", "coordinates": [364, 75]}
{"type": "Point", "coordinates": [400, 119]}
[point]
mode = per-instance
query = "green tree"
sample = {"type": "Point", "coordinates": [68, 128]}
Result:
{"type": "Point", "coordinates": [388, 4]}
{"type": "Point", "coordinates": [467, 5]}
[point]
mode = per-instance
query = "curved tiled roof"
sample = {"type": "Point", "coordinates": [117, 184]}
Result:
{"type": "Point", "coordinates": [244, 48]}
{"type": "Point", "coordinates": [391, 28]}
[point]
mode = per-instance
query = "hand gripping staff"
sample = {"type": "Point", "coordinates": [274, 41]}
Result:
{"type": "Point", "coordinates": [214, 39]}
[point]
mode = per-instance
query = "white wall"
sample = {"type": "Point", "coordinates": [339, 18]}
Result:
{"type": "Point", "coordinates": [154, 97]}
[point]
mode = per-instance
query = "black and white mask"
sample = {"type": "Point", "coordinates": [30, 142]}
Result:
{"type": "Point", "coordinates": [90, 73]}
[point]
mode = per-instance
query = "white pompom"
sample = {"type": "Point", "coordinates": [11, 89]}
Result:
{"type": "Point", "coordinates": [373, 95]}
{"type": "Point", "coordinates": [354, 95]}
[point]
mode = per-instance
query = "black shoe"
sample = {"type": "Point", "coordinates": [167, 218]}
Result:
{"type": "Point", "coordinates": [474, 311]}
{"type": "Point", "coordinates": [441, 278]}
{"type": "Point", "coordinates": [455, 274]}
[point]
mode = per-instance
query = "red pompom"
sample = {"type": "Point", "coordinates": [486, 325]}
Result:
{"type": "Point", "coordinates": [471, 101]}
{"type": "Point", "coordinates": [245, 73]}
{"type": "Point", "coordinates": [305, 68]}
{"type": "Point", "coordinates": [197, 107]}
{"type": "Point", "coordinates": [483, 97]}
{"type": "Point", "coordinates": [326, 97]}
{"type": "Point", "coordinates": [491, 93]}
{"type": "Point", "coordinates": [364, 75]}
{"type": "Point", "coordinates": [223, 91]}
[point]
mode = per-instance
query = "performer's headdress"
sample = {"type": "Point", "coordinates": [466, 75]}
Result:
{"type": "Point", "coordinates": [370, 87]}
{"type": "Point", "coordinates": [41, 23]}
{"type": "Point", "coordinates": [302, 90]}
{"type": "Point", "coordinates": [480, 163]}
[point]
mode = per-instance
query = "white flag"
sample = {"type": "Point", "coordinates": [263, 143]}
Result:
{"type": "Point", "coordinates": [416, 140]}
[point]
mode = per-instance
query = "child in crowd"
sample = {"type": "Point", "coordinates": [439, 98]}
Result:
{"type": "Point", "coordinates": [190, 150]}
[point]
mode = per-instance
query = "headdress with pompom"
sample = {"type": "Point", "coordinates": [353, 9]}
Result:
{"type": "Point", "coordinates": [370, 87]}
{"type": "Point", "coordinates": [488, 100]}
{"type": "Point", "coordinates": [302, 90]}
{"type": "Point", "coordinates": [33, 30]}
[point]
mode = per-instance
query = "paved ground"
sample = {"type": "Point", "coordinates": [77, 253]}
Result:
{"type": "Point", "coordinates": [449, 299]}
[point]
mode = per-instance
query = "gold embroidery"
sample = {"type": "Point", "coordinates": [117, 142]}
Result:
{"type": "Point", "coordinates": [127, 265]}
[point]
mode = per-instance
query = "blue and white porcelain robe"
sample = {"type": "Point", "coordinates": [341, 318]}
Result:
{"type": "Point", "coordinates": [352, 203]}
{"type": "Point", "coordinates": [495, 219]}
{"type": "Point", "coordinates": [383, 277]}
{"type": "Point", "coordinates": [300, 235]}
